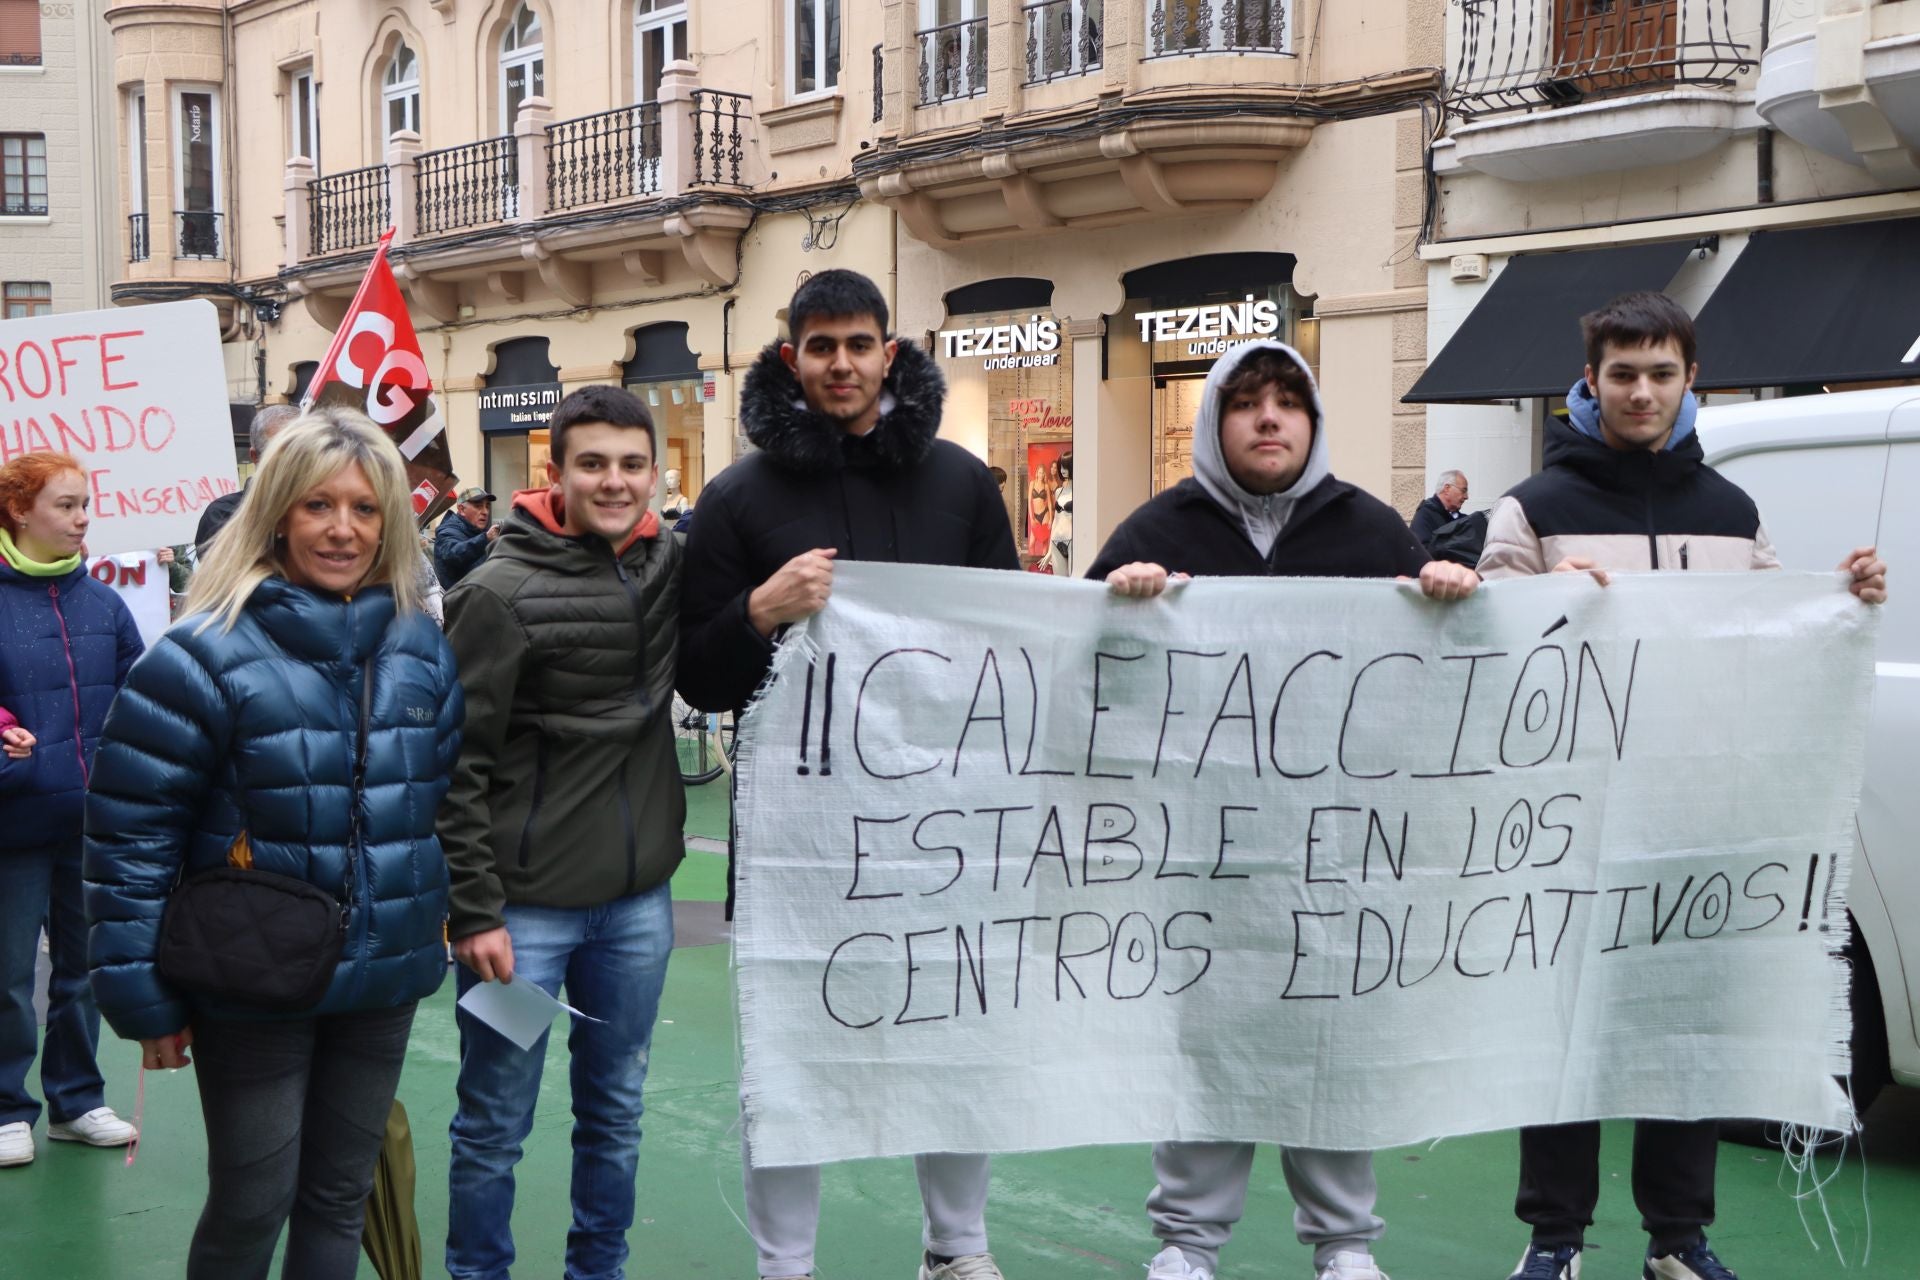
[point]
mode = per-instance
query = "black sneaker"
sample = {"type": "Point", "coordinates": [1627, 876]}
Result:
{"type": "Point", "coordinates": [1695, 1262]}
{"type": "Point", "coordinates": [1536, 1263]}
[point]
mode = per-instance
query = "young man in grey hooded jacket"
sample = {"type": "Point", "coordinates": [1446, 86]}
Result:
{"type": "Point", "coordinates": [1263, 502]}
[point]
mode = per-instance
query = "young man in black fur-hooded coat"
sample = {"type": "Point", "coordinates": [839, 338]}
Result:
{"type": "Point", "coordinates": [848, 468]}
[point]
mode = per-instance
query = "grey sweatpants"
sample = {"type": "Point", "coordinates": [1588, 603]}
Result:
{"type": "Point", "coordinates": [1201, 1191]}
{"type": "Point", "coordinates": [783, 1208]}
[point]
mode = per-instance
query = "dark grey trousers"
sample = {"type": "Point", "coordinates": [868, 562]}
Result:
{"type": "Point", "coordinates": [295, 1114]}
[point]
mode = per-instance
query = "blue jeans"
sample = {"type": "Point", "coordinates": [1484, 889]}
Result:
{"type": "Point", "coordinates": [612, 960]}
{"type": "Point", "coordinates": [44, 885]}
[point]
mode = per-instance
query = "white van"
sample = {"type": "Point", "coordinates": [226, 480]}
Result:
{"type": "Point", "coordinates": [1831, 473]}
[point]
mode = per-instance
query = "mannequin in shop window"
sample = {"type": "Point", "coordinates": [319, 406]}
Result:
{"type": "Point", "coordinates": [1061, 534]}
{"type": "Point", "coordinates": [673, 503]}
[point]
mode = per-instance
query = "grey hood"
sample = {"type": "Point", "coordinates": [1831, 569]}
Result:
{"type": "Point", "coordinates": [1263, 516]}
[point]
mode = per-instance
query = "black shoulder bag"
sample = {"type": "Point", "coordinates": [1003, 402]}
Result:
{"type": "Point", "coordinates": [258, 939]}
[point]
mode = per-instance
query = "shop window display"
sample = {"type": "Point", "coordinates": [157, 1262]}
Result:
{"type": "Point", "coordinates": [1010, 401]}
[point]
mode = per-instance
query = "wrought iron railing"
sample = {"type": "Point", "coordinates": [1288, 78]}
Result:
{"type": "Point", "coordinates": [26, 206]}
{"type": "Point", "coordinates": [879, 82]}
{"type": "Point", "coordinates": [718, 144]}
{"type": "Point", "coordinates": [466, 186]}
{"type": "Point", "coordinates": [20, 59]}
{"type": "Point", "coordinates": [1184, 28]}
{"type": "Point", "coordinates": [1530, 53]}
{"type": "Point", "coordinates": [953, 60]}
{"type": "Point", "coordinates": [199, 233]}
{"type": "Point", "coordinates": [137, 237]}
{"type": "Point", "coordinates": [613, 155]}
{"type": "Point", "coordinates": [1063, 38]}
{"type": "Point", "coordinates": [347, 210]}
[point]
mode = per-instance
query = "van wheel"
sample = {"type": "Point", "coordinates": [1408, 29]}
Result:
{"type": "Point", "coordinates": [1872, 1068]}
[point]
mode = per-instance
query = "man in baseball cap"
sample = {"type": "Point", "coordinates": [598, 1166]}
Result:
{"type": "Point", "coordinates": [464, 536]}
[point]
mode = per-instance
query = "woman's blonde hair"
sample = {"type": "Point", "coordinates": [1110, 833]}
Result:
{"type": "Point", "coordinates": [307, 453]}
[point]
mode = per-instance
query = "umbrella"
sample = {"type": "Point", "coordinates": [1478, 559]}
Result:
{"type": "Point", "coordinates": [391, 1236]}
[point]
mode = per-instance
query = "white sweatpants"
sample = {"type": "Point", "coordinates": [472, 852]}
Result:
{"type": "Point", "coordinates": [1201, 1191]}
{"type": "Point", "coordinates": [783, 1208]}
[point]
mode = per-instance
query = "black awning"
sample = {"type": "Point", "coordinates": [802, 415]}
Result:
{"type": "Point", "coordinates": [1523, 338]}
{"type": "Point", "coordinates": [1816, 305]}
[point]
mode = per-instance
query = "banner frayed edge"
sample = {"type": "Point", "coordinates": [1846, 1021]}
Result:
{"type": "Point", "coordinates": [797, 647]}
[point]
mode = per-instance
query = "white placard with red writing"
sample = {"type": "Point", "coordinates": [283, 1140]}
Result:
{"type": "Point", "coordinates": [138, 395]}
{"type": "Point", "coordinates": [141, 581]}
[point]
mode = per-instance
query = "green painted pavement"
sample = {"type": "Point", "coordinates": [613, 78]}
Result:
{"type": "Point", "coordinates": [79, 1214]}
{"type": "Point", "coordinates": [1070, 1215]}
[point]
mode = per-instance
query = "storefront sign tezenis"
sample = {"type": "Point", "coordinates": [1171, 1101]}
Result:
{"type": "Point", "coordinates": [1006, 346]}
{"type": "Point", "coordinates": [1206, 329]}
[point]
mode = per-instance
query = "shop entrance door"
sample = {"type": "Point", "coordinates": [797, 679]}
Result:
{"type": "Point", "coordinates": [1176, 400]}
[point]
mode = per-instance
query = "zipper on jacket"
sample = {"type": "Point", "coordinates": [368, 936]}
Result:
{"type": "Point", "coordinates": [73, 684]}
{"type": "Point", "coordinates": [626, 814]}
{"type": "Point", "coordinates": [640, 625]}
{"type": "Point", "coordinates": [1653, 539]}
{"type": "Point", "coordinates": [533, 809]}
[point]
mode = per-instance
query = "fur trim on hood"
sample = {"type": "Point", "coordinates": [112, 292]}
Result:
{"type": "Point", "coordinates": [1263, 516]}
{"type": "Point", "coordinates": [778, 422]}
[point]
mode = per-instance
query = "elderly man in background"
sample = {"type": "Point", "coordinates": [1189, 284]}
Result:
{"type": "Point", "coordinates": [267, 422]}
{"type": "Point", "coordinates": [1440, 508]}
{"type": "Point", "coordinates": [464, 537]}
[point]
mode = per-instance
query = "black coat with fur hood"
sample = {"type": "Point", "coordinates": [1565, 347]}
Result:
{"type": "Point", "coordinates": [897, 493]}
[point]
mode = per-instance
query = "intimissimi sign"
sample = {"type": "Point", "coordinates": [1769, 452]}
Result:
{"type": "Point", "coordinates": [1030, 345]}
{"type": "Point", "coordinates": [1209, 330]}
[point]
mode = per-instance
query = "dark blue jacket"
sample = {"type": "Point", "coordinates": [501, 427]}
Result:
{"type": "Point", "coordinates": [255, 730]}
{"type": "Point", "coordinates": [66, 645]}
{"type": "Point", "coordinates": [457, 548]}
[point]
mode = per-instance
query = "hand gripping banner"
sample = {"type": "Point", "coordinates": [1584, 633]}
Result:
{"type": "Point", "coordinates": [1023, 865]}
{"type": "Point", "coordinates": [374, 365]}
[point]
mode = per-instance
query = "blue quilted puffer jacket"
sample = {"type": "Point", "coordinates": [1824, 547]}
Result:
{"type": "Point", "coordinates": [255, 730]}
{"type": "Point", "coordinates": [66, 645]}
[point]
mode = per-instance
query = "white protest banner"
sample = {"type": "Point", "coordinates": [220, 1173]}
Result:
{"type": "Point", "coordinates": [141, 581]}
{"type": "Point", "coordinates": [139, 396]}
{"type": "Point", "coordinates": [1023, 865]}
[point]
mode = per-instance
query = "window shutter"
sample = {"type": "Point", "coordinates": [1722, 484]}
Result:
{"type": "Point", "coordinates": [20, 32]}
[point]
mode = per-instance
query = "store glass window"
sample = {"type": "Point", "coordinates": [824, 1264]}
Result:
{"type": "Point", "coordinates": [516, 404]}
{"type": "Point", "coordinates": [1174, 338]}
{"type": "Point", "coordinates": [1010, 401]}
{"type": "Point", "coordinates": [665, 374]}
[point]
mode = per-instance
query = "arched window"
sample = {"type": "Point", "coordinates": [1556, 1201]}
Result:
{"type": "Point", "coordinates": [400, 91]}
{"type": "Point", "coordinates": [523, 64]}
{"type": "Point", "coordinates": [659, 37]}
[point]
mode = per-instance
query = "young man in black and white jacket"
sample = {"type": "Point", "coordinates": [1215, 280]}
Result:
{"type": "Point", "coordinates": [1626, 489]}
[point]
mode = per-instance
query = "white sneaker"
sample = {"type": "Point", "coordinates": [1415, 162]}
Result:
{"type": "Point", "coordinates": [973, 1266]}
{"type": "Point", "coordinates": [1171, 1264]}
{"type": "Point", "coordinates": [1351, 1266]}
{"type": "Point", "coordinates": [100, 1127]}
{"type": "Point", "coordinates": [16, 1143]}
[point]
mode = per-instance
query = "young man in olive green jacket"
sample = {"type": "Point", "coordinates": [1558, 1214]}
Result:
{"type": "Point", "coordinates": [563, 823]}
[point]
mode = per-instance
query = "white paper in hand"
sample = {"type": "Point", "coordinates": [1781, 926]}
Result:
{"type": "Point", "coordinates": [521, 1011]}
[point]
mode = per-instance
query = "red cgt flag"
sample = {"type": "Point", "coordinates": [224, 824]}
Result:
{"type": "Point", "coordinates": [375, 366]}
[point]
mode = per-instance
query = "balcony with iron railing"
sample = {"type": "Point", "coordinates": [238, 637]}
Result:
{"type": "Point", "coordinates": [1516, 54]}
{"type": "Point", "coordinates": [1546, 90]}
{"type": "Point", "coordinates": [1063, 38]}
{"type": "Point", "coordinates": [348, 210]}
{"type": "Point", "coordinates": [1186, 28]}
{"type": "Point", "coordinates": [137, 250]}
{"type": "Point", "coordinates": [534, 202]}
{"type": "Point", "coordinates": [1047, 114]}
{"type": "Point", "coordinates": [198, 234]}
{"type": "Point", "coordinates": [953, 60]}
